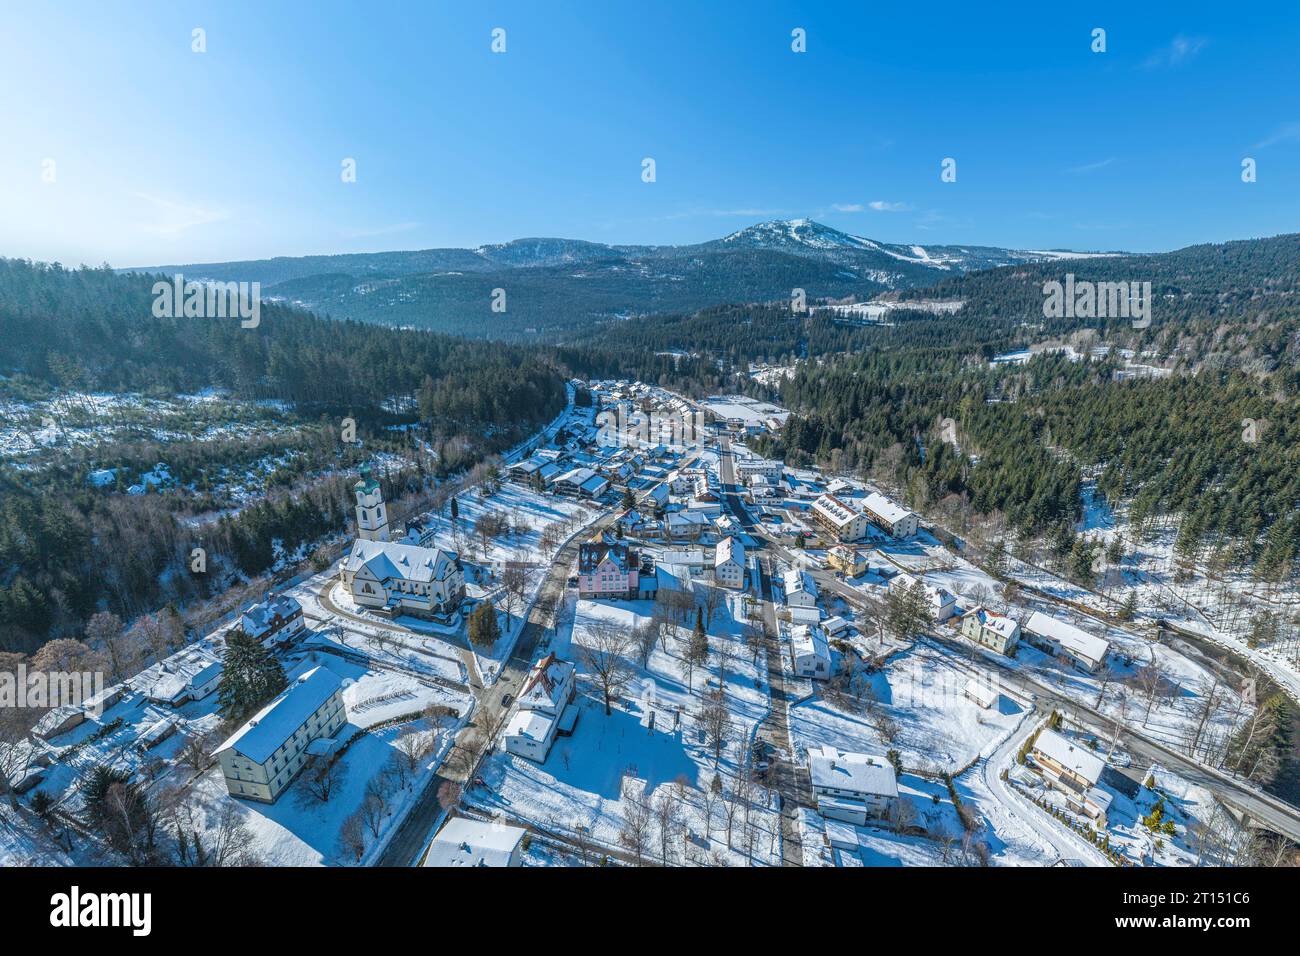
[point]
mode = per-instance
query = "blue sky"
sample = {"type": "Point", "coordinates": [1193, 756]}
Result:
{"type": "Point", "coordinates": [164, 155]}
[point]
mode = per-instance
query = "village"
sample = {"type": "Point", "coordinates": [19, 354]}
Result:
{"type": "Point", "coordinates": [637, 642]}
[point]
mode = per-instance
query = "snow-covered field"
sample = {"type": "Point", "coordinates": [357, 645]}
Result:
{"type": "Point", "coordinates": [591, 779]}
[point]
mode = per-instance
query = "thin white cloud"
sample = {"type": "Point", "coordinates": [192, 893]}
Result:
{"type": "Point", "coordinates": [166, 217]}
{"type": "Point", "coordinates": [1180, 49]}
{"type": "Point", "coordinates": [1286, 133]}
{"type": "Point", "coordinates": [1089, 167]}
{"type": "Point", "coordinates": [876, 205]}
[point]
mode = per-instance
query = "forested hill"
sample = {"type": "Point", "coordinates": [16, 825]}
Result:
{"type": "Point", "coordinates": [1234, 303]}
{"type": "Point", "coordinates": [93, 329]}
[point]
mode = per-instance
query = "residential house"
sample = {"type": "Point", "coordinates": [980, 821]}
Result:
{"type": "Point", "coordinates": [1073, 770]}
{"type": "Point", "coordinates": [849, 560]}
{"type": "Point", "coordinates": [995, 631]}
{"type": "Point", "coordinates": [608, 571]}
{"type": "Point", "coordinates": [474, 843]}
{"type": "Point", "coordinates": [852, 787]}
{"type": "Point", "coordinates": [190, 674]}
{"type": "Point", "coordinates": [686, 525]}
{"type": "Point", "coordinates": [262, 757]}
{"type": "Point", "coordinates": [729, 563]}
{"type": "Point", "coordinates": [543, 710]}
{"type": "Point", "coordinates": [1051, 634]}
{"type": "Point", "coordinates": [277, 620]}
{"type": "Point", "coordinates": [800, 588]}
{"type": "Point", "coordinates": [749, 468]}
{"type": "Point", "coordinates": [941, 602]}
{"type": "Point", "coordinates": [811, 653]}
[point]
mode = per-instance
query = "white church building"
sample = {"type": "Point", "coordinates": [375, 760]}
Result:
{"type": "Point", "coordinates": [398, 578]}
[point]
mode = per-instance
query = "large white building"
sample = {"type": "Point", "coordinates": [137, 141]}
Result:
{"type": "Point", "coordinates": [841, 520]}
{"type": "Point", "coordinates": [889, 516]}
{"type": "Point", "coordinates": [749, 468]}
{"type": "Point", "coordinates": [852, 787]}
{"type": "Point", "coordinates": [544, 709]}
{"type": "Point", "coordinates": [729, 563]}
{"type": "Point", "coordinates": [262, 757]}
{"type": "Point", "coordinates": [404, 579]}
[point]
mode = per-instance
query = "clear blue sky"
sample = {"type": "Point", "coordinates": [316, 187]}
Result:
{"type": "Point", "coordinates": [164, 155]}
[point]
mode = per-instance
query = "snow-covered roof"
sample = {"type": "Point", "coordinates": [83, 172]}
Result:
{"type": "Point", "coordinates": [464, 842]}
{"type": "Point", "coordinates": [176, 675]}
{"type": "Point", "coordinates": [277, 721]}
{"type": "Point", "coordinates": [852, 772]}
{"type": "Point", "coordinates": [729, 549]}
{"type": "Point", "coordinates": [547, 685]}
{"type": "Point", "coordinates": [884, 508]}
{"type": "Point", "coordinates": [532, 724]}
{"type": "Point", "coordinates": [809, 641]}
{"type": "Point", "coordinates": [258, 619]}
{"type": "Point", "coordinates": [981, 693]}
{"type": "Point", "coordinates": [796, 580]}
{"type": "Point", "coordinates": [389, 560]}
{"type": "Point", "coordinates": [1068, 636]}
{"type": "Point", "coordinates": [998, 623]}
{"type": "Point", "coordinates": [1063, 751]}
{"type": "Point", "coordinates": [835, 510]}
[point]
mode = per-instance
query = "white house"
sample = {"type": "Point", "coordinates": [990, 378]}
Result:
{"type": "Point", "coordinates": [800, 588]}
{"type": "Point", "coordinates": [729, 563]}
{"type": "Point", "coordinates": [941, 601]}
{"type": "Point", "coordinates": [465, 842]}
{"type": "Point", "coordinates": [262, 757]}
{"type": "Point", "coordinates": [851, 787]}
{"type": "Point", "coordinates": [187, 675]}
{"type": "Point", "coordinates": [277, 620]}
{"type": "Point", "coordinates": [687, 525]}
{"type": "Point", "coordinates": [404, 579]}
{"type": "Point", "coordinates": [1063, 639]}
{"type": "Point", "coordinates": [544, 709]}
{"type": "Point", "coordinates": [890, 517]}
{"type": "Point", "coordinates": [811, 653]}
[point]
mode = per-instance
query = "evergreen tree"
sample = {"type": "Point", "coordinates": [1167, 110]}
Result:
{"type": "Point", "coordinates": [251, 676]}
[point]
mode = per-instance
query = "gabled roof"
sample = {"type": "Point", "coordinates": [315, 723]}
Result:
{"type": "Point", "coordinates": [1065, 752]}
{"type": "Point", "coordinates": [592, 554]}
{"type": "Point", "coordinates": [729, 549]}
{"type": "Point", "coordinates": [545, 687]}
{"type": "Point", "coordinates": [884, 508]}
{"type": "Point", "coordinates": [1067, 636]}
{"type": "Point", "coordinates": [464, 842]}
{"type": "Point", "coordinates": [855, 773]}
{"type": "Point", "coordinates": [276, 722]}
{"type": "Point", "coordinates": [388, 560]}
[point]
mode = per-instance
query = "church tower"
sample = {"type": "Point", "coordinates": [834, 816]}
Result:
{"type": "Point", "coordinates": [372, 516]}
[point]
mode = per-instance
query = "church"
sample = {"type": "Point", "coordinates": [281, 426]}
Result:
{"type": "Point", "coordinates": [398, 578]}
